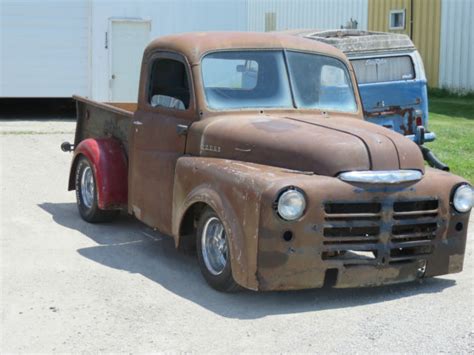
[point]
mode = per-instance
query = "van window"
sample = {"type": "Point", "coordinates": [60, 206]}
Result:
{"type": "Point", "coordinates": [169, 85]}
{"type": "Point", "coordinates": [383, 69]}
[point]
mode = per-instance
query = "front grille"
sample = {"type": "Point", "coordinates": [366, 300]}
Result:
{"type": "Point", "coordinates": [379, 233]}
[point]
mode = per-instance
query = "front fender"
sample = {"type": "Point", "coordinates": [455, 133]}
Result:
{"type": "Point", "coordinates": [233, 189]}
{"type": "Point", "coordinates": [224, 209]}
{"type": "Point", "coordinates": [110, 166]}
{"type": "Point", "coordinates": [243, 195]}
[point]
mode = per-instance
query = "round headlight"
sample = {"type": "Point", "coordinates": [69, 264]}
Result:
{"type": "Point", "coordinates": [463, 198]}
{"type": "Point", "coordinates": [291, 205]}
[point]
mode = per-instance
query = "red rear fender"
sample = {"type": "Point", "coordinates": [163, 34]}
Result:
{"type": "Point", "coordinates": [110, 166]}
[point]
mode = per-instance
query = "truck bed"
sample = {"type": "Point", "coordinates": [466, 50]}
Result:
{"type": "Point", "coordinates": [103, 119]}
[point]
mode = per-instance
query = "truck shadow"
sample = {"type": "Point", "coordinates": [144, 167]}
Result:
{"type": "Point", "coordinates": [128, 245]}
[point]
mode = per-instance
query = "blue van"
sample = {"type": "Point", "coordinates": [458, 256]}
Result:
{"type": "Point", "coordinates": [391, 78]}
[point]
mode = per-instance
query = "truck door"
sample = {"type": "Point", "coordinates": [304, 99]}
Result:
{"type": "Point", "coordinates": [165, 109]}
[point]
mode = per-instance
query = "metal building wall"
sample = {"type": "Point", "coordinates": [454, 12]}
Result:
{"type": "Point", "coordinates": [457, 45]}
{"type": "Point", "coordinates": [167, 17]}
{"type": "Point", "coordinates": [68, 39]}
{"type": "Point", "coordinates": [379, 11]}
{"type": "Point", "coordinates": [426, 18]}
{"type": "Point", "coordinates": [426, 35]}
{"type": "Point", "coordinates": [299, 14]}
{"type": "Point", "coordinates": [44, 48]}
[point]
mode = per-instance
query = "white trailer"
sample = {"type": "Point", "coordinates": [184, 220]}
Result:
{"type": "Point", "coordinates": [57, 48]}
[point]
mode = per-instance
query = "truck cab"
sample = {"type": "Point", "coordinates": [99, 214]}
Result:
{"type": "Point", "coordinates": [252, 149]}
{"type": "Point", "coordinates": [391, 78]}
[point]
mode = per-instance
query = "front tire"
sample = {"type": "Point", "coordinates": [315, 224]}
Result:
{"type": "Point", "coordinates": [213, 250]}
{"type": "Point", "coordinates": [86, 194]}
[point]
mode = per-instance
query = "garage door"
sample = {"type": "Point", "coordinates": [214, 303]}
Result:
{"type": "Point", "coordinates": [44, 48]}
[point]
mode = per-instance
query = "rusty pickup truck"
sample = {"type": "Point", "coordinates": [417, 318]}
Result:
{"type": "Point", "coordinates": [252, 149]}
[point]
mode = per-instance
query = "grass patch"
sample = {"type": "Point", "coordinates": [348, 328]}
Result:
{"type": "Point", "coordinates": [452, 119]}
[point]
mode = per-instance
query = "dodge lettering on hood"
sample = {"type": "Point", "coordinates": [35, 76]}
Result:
{"type": "Point", "coordinates": [252, 150]}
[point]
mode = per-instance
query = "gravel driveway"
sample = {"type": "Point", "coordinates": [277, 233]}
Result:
{"type": "Point", "coordinates": [68, 286]}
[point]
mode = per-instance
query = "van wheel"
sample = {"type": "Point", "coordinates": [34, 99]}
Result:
{"type": "Point", "coordinates": [213, 252]}
{"type": "Point", "coordinates": [86, 194]}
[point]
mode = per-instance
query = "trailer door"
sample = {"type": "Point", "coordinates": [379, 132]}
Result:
{"type": "Point", "coordinates": [128, 41]}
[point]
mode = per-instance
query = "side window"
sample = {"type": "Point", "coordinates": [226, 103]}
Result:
{"type": "Point", "coordinates": [169, 84]}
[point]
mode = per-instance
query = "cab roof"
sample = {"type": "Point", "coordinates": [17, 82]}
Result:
{"type": "Point", "coordinates": [194, 45]}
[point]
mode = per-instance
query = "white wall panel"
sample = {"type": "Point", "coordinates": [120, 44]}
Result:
{"type": "Point", "coordinates": [457, 45]}
{"type": "Point", "coordinates": [300, 14]}
{"type": "Point", "coordinates": [45, 48]}
{"type": "Point", "coordinates": [167, 17]}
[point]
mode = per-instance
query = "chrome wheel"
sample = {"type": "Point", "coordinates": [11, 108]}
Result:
{"type": "Point", "coordinates": [214, 246]}
{"type": "Point", "coordinates": [87, 187]}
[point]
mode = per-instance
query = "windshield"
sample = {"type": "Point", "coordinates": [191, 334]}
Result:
{"type": "Point", "coordinates": [276, 79]}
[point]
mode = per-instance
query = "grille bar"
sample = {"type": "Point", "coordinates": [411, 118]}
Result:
{"type": "Point", "coordinates": [353, 216]}
{"type": "Point", "coordinates": [409, 244]}
{"type": "Point", "coordinates": [417, 235]}
{"type": "Point", "coordinates": [396, 259]}
{"type": "Point", "coordinates": [351, 247]}
{"type": "Point", "coordinates": [414, 221]}
{"type": "Point", "coordinates": [416, 214]}
{"type": "Point", "coordinates": [351, 224]}
{"type": "Point", "coordinates": [353, 257]}
{"type": "Point", "coordinates": [354, 240]}
{"type": "Point", "coordinates": [414, 228]}
{"type": "Point", "coordinates": [350, 231]}
{"type": "Point", "coordinates": [352, 261]}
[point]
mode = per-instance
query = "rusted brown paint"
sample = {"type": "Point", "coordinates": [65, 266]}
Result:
{"type": "Point", "coordinates": [305, 252]}
{"type": "Point", "coordinates": [237, 162]}
{"type": "Point", "coordinates": [272, 263]}
{"type": "Point", "coordinates": [108, 120]}
{"type": "Point", "coordinates": [193, 46]}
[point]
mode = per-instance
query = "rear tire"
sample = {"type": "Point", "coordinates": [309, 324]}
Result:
{"type": "Point", "coordinates": [86, 194]}
{"type": "Point", "coordinates": [213, 250]}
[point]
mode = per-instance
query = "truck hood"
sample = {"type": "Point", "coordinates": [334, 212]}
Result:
{"type": "Point", "coordinates": [318, 144]}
